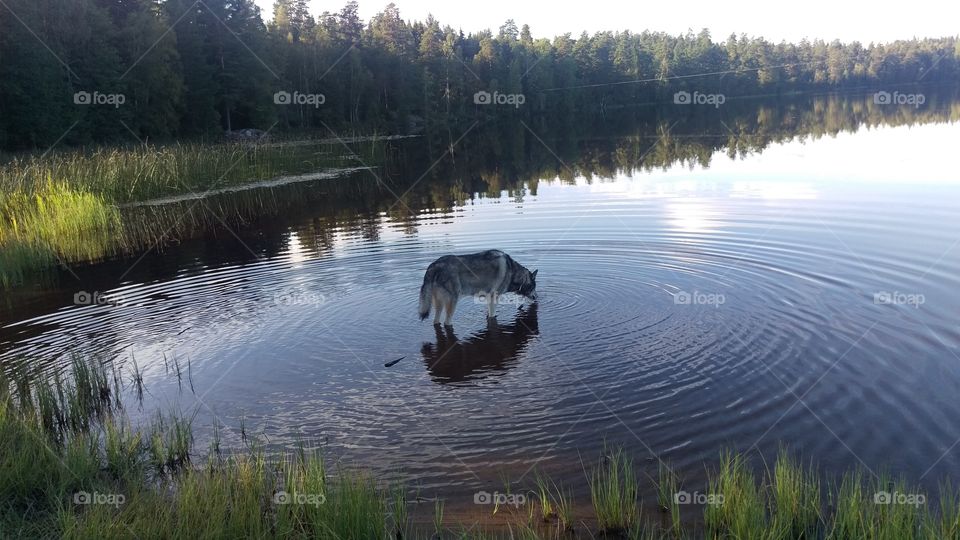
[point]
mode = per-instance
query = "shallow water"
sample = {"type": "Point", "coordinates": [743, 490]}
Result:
{"type": "Point", "coordinates": [805, 295]}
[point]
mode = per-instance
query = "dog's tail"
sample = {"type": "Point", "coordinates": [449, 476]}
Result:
{"type": "Point", "coordinates": [426, 292]}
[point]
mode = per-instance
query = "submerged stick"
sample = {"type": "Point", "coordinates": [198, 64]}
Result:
{"type": "Point", "coordinates": [389, 364]}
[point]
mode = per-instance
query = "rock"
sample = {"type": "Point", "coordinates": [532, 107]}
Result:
{"type": "Point", "coordinates": [246, 135]}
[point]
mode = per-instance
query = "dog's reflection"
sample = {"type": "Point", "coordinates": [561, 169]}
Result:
{"type": "Point", "coordinates": [494, 349]}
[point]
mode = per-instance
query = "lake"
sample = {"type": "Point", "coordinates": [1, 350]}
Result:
{"type": "Point", "coordinates": [750, 277]}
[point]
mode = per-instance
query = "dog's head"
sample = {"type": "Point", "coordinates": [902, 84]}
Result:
{"type": "Point", "coordinates": [526, 283]}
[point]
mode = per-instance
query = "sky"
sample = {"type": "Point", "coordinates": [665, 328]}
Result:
{"type": "Point", "coordinates": [864, 21]}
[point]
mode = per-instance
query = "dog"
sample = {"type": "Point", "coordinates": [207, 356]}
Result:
{"type": "Point", "coordinates": [488, 274]}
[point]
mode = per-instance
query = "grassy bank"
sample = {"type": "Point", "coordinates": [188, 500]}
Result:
{"type": "Point", "coordinates": [52, 221]}
{"type": "Point", "coordinates": [65, 205]}
{"type": "Point", "coordinates": [72, 466]}
{"type": "Point", "coordinates": [122, 175]}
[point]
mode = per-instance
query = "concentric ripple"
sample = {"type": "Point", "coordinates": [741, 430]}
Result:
{"type": "Point", "coordinates": [677, 313]}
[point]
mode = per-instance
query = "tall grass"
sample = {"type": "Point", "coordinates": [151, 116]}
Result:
{"type": "Point", "coordinates": [54, 213]}
{"type": "Point", "coordinates": [738, 507]}
{"type": "Point", "coordinates": [63, 436]}
{"type": "Point", "coordinates": [613, 490]}
{"type": "Point", "coordinates": [18, 261]}
{"type": "Point", "coordinates": [401, 512]}
{"type": "Point", "coordinates": [171, 440]}
{"type": "Point", "coordinates": [64, 205]}
{"type": "Point", "coordinates": [796, 498]}
{"type": "Point", "coordinates": [668, 485]}
{"type": "Point", "coordinates": [133, 174]}
{"type": "Point", "coordinates": [544, 496]}
{"type": "Point", "coordinates": [53, 221]}
{"type": "Point", "coordinates": [438, 517]}
{"type": "Point", "coordinates": [563, 502]}
{"type": "Point", "coordinates": [49, 456]}
{"type": "Point", "coordinates": [946, 522]}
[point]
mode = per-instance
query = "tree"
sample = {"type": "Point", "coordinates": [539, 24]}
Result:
{"type": "Point", "coordinates": [196, 68]}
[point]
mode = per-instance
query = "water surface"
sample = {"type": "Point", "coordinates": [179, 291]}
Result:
{"type": "Point", "coordinates": [724, 291]}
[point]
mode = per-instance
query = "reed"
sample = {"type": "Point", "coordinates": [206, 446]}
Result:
{"type": "Point", "coordinates": [735, 504]}
{"type": "Point", "coordinates": [613, 491]}
{"type": "Point", "coordinates": [64, 206]}
{"type": "Point", "coordinates": [148, 171]}
{"type": "Point", "coordinates": [796, 498]}
{"type": "Point", "coordinates": [438, 517]}
{"type": "Point", "coordinates": [668, 486]}
{"type": "Point", "coordinates": [50, 223]}
{"type": "Point", "coordinates": [544, 496]}
{"type": "Point", "coordinates": [171, 440]}
{"type": "Point", "coordinates": [72, 466]}
{"type": "Point", "coordinates": [563, 502]}
{"type": "Point", "coordinates": [401, 513]}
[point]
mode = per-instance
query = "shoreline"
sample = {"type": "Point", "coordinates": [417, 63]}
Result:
{"type": "Point", "coordinates": [273, 182]}
{"type": "Point", "coordinates": [71, 465]}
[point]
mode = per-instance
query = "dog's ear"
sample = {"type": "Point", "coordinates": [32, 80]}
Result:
{"type": "Point", "coordinates": [534, 274]}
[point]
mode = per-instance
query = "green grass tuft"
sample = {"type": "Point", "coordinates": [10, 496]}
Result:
{"type": "Point", "coordinates": [796, 500]}
{"type": "Point", "coordinates": [63, 436]}
{"type": "Point", "coordinates": [735, 506]}
{"type": "Point", "coordinates": [613, 490]}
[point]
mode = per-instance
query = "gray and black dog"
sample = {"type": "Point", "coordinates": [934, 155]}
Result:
{"type": "Point", "coordinates": [487, 274]}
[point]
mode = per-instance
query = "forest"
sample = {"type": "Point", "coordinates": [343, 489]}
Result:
{"type": "Point", "coordinates": [166, 70]}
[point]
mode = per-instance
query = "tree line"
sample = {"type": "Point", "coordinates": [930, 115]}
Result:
{"type": "Point", "coordinates": [88, 71]}
{"type": "Point", "coordinates": [508, 158]}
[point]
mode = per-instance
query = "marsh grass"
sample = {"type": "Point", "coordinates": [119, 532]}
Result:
{"type": "Point", "coordinates": [63, 407]}
{"type": "Point", "coordinates": [18, 261]}
{"type": "Point", "coordinates": [143, 172]}
{"type": "Point", "coordinates": [742, 512]}
{"type": "Point", "coordinates": [64, 206]}
{"type": "Point", "coordinates": [52, 222]}
{"type": "Point", "coordinates": [544, 496]}
{"type": "Point", "coordinates": [945, 523]}
{"type": "Point", "coordinates": [613, 491]}
{"type": "Point", "coordinates": [54, 213]}
{"type": "Point", "coordinates": [523, 532]}
{"type": "Point", "coordinates": [401, 512]}
{"type": "Point", "coordinates": [438, 517]}
{"type": "Point", "coordinates": [65, 434]}
{"type": "Point", "coordinates": [865, 514]}
{"type": "Point", "coordinates": [171, 440]}
{"type": "Point", "coordinates": [796, 498]}
{"type": "Point", "coordinates": [668, 485]}
{"type": "Point", "coordinates": [563, 502]}
{"type": "Point", "coordinates": [136, 379]}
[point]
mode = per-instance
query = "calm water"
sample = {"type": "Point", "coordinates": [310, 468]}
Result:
{"type": "Point", "coordinates": [804, 294]}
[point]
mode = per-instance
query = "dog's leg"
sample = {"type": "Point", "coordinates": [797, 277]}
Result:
{"type": "Point", "coordinates": [437, 308]}
{"type": "Point", "coordinates": [451, 305]}
{"type": "Point", "coordinates": [491, 304]}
